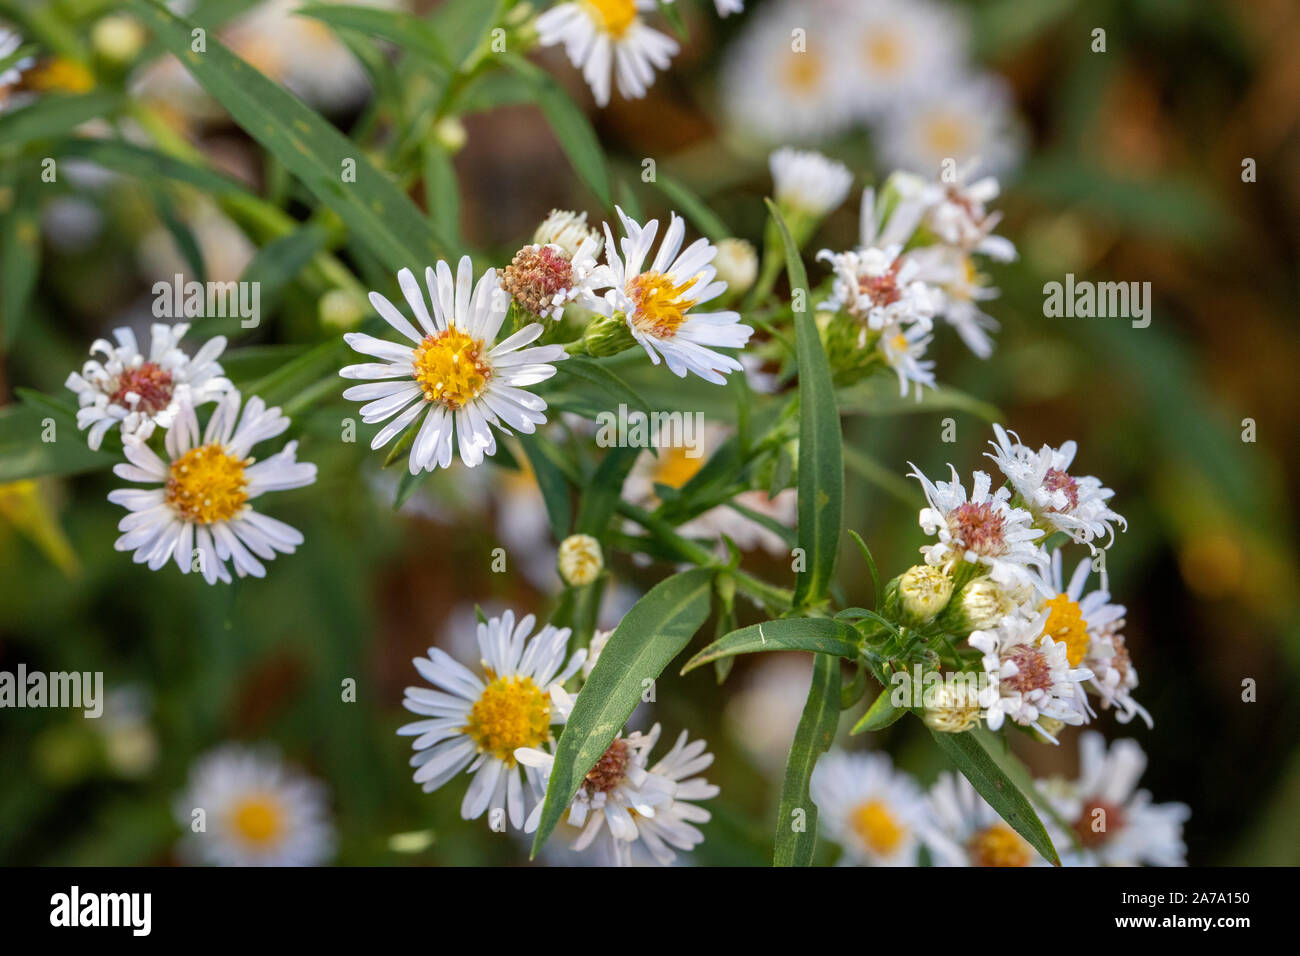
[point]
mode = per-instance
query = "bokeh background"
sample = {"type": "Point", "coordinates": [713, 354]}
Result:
{"type": "Point", "coordinates": [1126, 165]}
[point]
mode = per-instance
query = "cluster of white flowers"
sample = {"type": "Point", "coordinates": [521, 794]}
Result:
{"type": "Point", "coordinates": [198, 512]}
{"type": "Point", "coordinates": [496, 725]}
{"type": "Point", "coordinates": [811, 69]}
{"type": "Point", "coordinates": [1043, 644]}
{"type": "Point", "coordinates": [452, 368]}
{"type": "Point", "coordinates": [879, 816]}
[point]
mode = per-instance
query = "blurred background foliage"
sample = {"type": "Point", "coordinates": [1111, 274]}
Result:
{"type": "Point", "coordinates": [1131, 171]}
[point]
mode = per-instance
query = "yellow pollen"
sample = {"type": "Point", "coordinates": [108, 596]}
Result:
{"type": "Point", "coordinates": [616, 15]}
{"type": "Point", "coordinates": [803, 73]}
{"type": "Point", "coordinates": [884, 51]}
{"type": "Point", "coordinates": [452, 368]}
{"type": "Point", "coordinates": [511, 712]}
{"type": "Point", "coordinates": [946, 135]}
{"type": "Point", "coordinates": [660, 306]}
{"type": "Point", "coordinates": [998, 845]}
{"type": "Point", "coordinates": [258, 820]}
{"type": "Point", "coordinates": [674, 468]}
{"type": "Point", "coordinates": [877, 828]}
{"type": "Point", "coordinates": [1065, 623]}
{"type": "Point", "coordinates": [205, 485]}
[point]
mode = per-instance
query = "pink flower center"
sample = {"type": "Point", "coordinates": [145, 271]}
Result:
{"type": "Point", "coordinates": [535, 275]}
{"type": "Point", "coordinates": [979, 527]}
{"type": "Point", "coordinates": [883, 289]}
{"type": "Point", "coordinates": [1033, 671]}
{"type": "Point", "coordinates": [150, 383]}
{"type": "Point", "coordinates": [609, 770]}
{"type": "Point", "coordinates": [1057, 480]}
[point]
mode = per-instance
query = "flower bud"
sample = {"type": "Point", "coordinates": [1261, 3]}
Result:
{"type": "Point", "coordinates": [737, 265]}
{"type": "Point", "coordinates": [608, 335]}
{"type": "Point", "coordinates": [567, 230]}
{"type": "Point", "coordinates": [581, 560]}
{"type": "Point", "coordinates": [118, 38]}
{"type": "Point", "coordinates": [951, 709]}
{"type": "Point", "coordinates": [923, 591]}
{"type": "Point", "coordinates": [980, 605]}
{"type": "Point", "coordinates": [340, 309]}
{"type": "Point", "coordinates": [450, 134]}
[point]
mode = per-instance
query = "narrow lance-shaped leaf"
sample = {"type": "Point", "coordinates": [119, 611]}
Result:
{"type": "Point", "coordinates": [650, 635]}
{"type": "Point", "coordinates": [821, 463]}
{"type": "Point", "coordinates": [820, 635]}
{"type": "Point", "coordinates": [796, 821]}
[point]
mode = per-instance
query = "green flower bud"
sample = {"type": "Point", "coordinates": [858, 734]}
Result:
{"type": "Point", "coordinates": [923, 591]}
{"type": "Point", "coordinates": [951, 709]}
{"type": "Point", "coordinates": [608, 335]}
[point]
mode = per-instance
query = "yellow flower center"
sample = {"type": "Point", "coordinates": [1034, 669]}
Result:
{"type": "Point", "coordinates": [1065, 623]}
{"type": "Point", "coordinates": [946, 135]}
{"type": "Point", "coordinates": [258, 820]}
{"type": "Point", "coordinates": [883, 51]}
{"type": "Point", "coordinates": [452, 368]}
{"type": "Point", "coordinates": [660, 303]}
{"type": "Point", "coordinates": [205, 485]}
{"type": "Point", "coordinates": [674, 468]}
{"type": "Point", "coordinates": [511, 712]}
{"type": "Point", "coordinates": [615, 15]}
{"type": "Point", "coordinates": [60, 75]}
{"type": "Point", "coordinates": [803, 73]}
{"type": "Point", "coordinates": [877, 828]}
{"type": "Point", "coordinates": [998, 845]}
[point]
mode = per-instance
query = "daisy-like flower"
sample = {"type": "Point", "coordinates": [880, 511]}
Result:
{"type": "Point", "coordinates": [1059, 501]}
{"type": "Point", "coordinates": [255, 812]}
{"type": "Point", "coordinates": [806, 182]}
{"type": "Point", "coordinates": [1116, 823]}
{"type": "Point", "coordinates": [476, 721]}
{"type": "Point", "coordinates": [902, 49]}
{"type": "Point", "coordinates": [202, 510]}
{"type": "Point", "coordinates": [982, 529]}
{"type": "Point", "coordinates": [543, 279]}
{"type": "Point", "coordinates": [1029, 676]}
{"type": "Point", "coordinates": [623, 800]}
{"type": "Point", "coordinates": [966, 119]}
{"type": "Point", "coordinates": [450, 368]}
{"type": "Point", "coordinates": [956, 212]}
{"type": "Point", "coordinates": [867, 807]}
{"type": "Point", "coordinates": [875, 283]}
{"type": "Point", "coordinates": [568, 230]}
{"type": "Point", "coordinates": [608, 36]}
{"type": "Point", "coordinates": [966, 831]}
{"type": "Point", "coordinates": [657, 302]}
{"type": "Point", "coordinates": [960, 286]}
{"type": "Point", "coordinates": [903, 350]}
{"type": "Point", "coordinates": [138, 393]}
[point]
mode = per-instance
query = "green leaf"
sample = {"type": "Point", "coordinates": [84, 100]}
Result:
{"type": "Point", "coordinates": [376, 212]}
{"type": "Point", "coordinates": [403, 29]}
{"type": "Point", "coordinates": [969, 754]}
{"type": "Point", "coordinates": [572, 130]}
{"type": "Point", "coordinates": [442, 190]}
{"type": "Point", "coordinates": [462, 25]}
{"type": "Point", "coordinates": [693, 208]}
{"type": "Point", "coordinates": [871, 566]}
{"type": "Point", "coordinates": [821, 714]}
{"type": "Point", "coordinates": [553, 483]}
{"type": "Point", "coordinates": [278, 262]}
{"type": "Point", "coordinates": [20, 255]}
{"type": "Point", "coordinates": [880, 714]}
{"type": "Point", "coordinates": [24, 452]}
{"type": "Point", "coordinates": [53, 115]}
{"type": "Point", "coordinates": [878, 396]}
{"type": "Point", "coordinates": [820, 635]}
{"type": "Point", "coordinates": [146, 164]}
{"type": "Point", "coordinates": [604, 491]}
{"type": "Point", "coordinates": [650, 635]}
{"type": "Point", "coordinates": [821, 463]}
{"type": "Point", "coordinates": [598, 374]}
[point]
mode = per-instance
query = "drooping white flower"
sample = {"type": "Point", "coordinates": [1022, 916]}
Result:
{"type": "Point", "coordinates": [951, 273]}
{"type": "Point", "coordinates": [1029, 676]}
{"type": "Point", "coordinates": [622, 799]}
{"type": "Point", "coordinates": [956, 212]}
{"type": "Point", "coordinates": [808, 182]}
{"type": "Point", "coordinates": [966, 831]}
{"type": "Point", "coordinates": [1079, 506]}
{"type": "Point", "coordinates": [475, 722]}
{"type": "Point", "coordinates": [450, 369]}
{"type": "Point", "coordinates": [201, 512]}
{"type": "Point", "coordinates": [873, 811]}
{"type": "Point", "coordinates": [658, 301]}
{"type": "Point", "coordinates": [903, 350]}
{"type": "Point", "coordinates": [900, 50]}
{"type": "Point", "coordinates": [137, 392]}
{"type": "Point", "coordinates": [608, 36]}
{"type": "Point", "coordinates": [256, 811]}
{"type": "Point", "coordinates": [982, 529]}
{"type": "Point", "coordinates": [1116, 823]}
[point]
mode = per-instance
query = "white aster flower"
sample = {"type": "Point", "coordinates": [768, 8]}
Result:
{"type": "Point", "coordinates": [256, 811]}
{"type": "Point", "coordinates": [138, 393]}
{"type": "Point", "coordinates": [960, 287]}
{"type": "Point", "coordinates": [956, 212]}
{"type": "Point", "coordinates": [873, 811]}
{"type": "Point", "coordinates": [727, 7]}
{"type": "Point", "coordinates": [901, 50]}
{"type": "Point", "coordinates": [543, 279]}
{"type": "Point", "coordinates": [657, 301]}
{"type": "Point", "coordinates": [202, 511]}
{"type": "Point", "coordinates": [1116, 823]}
{"type": "Point", "coordinates": [967, 119]}
{"type": "Point", "coordinates": [777, 87]}
{"type": "Point", "coordinates": [805, 181]}
{"type": "Point", "coordinates": [1079, 506]}
{"type": "Point", "coordinates": [622, 800]}
{"type": "Point", "coordinates": [1029, 676]}
{"type": "Point", "coordinates": [450, 368]}
{"type": "Point", "coordinates": [476, 721]}
{"type": "Point", "coordinates": [10, 42]}
{"type": "Point", "coordinates": [983, 529]}
{"type": "Point", "coordinates": [903, 349]}
{"type": "Point", "coordinates": [608, 36]}
{"type": "Point", "coordinates": [966, 831]}
{"type": "Point", "coordinates": [568, 230]}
